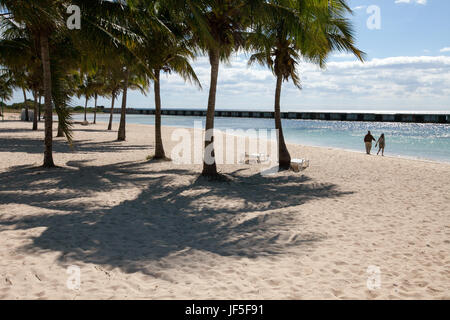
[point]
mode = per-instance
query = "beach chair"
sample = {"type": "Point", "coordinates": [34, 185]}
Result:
{"type": "Point", "coordinates": [254, 158]}
{"type": "Point", "coordinates": [298, 165]}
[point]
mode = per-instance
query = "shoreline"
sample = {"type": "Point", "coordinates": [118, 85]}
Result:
{"type": "Point", "coordinates": [402, 157]}
{"type": "Point", "coordinates": [393, 156]}
{"type": "Point", "coordinates": [411, 158]}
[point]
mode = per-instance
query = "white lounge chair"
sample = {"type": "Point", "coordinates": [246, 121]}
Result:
{"type": "Point", "coordinates": [298, 165]}
{"type": "Point", "coordinates": [255, 158]}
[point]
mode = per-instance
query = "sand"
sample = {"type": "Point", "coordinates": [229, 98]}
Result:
{"type": "Point", "coordinates": [140, 229]}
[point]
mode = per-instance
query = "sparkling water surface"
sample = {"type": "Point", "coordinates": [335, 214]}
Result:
{"type": "Point", "coordinates": [419, 141]}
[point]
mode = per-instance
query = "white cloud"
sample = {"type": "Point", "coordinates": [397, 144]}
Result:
{"type": "Point", "coordinates": [447, 49]}
{"type": "Point", "coordinates": [343, 55]}
{"type": "Point", "coordinates": [401, 83]}
{"type": "Point", "coordinates": [394, 82]}
{"type": "Point", "coordinates": [422, 2]}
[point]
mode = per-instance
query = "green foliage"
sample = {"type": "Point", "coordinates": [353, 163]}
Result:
{"type": "Point", "coordinates": [78, 109]}
{"type": "Point", "coordinates": [316, 28]}
{"type": "Point", "coordinates": [19, 106]}
{"type": "Point", "coordinates": [6, 86]}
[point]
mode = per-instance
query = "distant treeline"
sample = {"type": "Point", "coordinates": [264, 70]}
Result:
{"type": "Point", "coordinates": [17, 107]}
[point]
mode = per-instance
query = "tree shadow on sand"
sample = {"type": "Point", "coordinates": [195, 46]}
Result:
{"type": "Point", "coordinates": [168, 216]}
{"type": "Point", "coordinates": [36, 146]}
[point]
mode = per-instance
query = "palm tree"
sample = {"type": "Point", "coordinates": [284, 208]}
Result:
{"type": "Point", "coordinates": [96, 94]}
{"type": "Point", "coordinates": [6, 88]}
{"type": "Point", "coordinates": [44, 32]}
{"type": "Point", "coordinates": [121, 133]}
{"type": "Point", "coordinates": [166, 50]}
{"type": "Point", "coordinates": [113, 86]}
{"type": "Point", "coordinates": [90, 84]}
{"type": "Point", "coordinates": [219, 28]}
{"type": "Point", "coordinates": [83, 88]}
{"type": "Point", "coordinates": [98, 87]}
{"type": "Point", "coordinates": [42, 18]}
{"type": "Point", "coordinates": [109, 30]}
{"type": "Point", "coordinates": [45, 19]}
{"type": "Point", "coordinates": [135, 79]}
{"type": "Point", "coordinates": [20, 53]}
{"type": "Point", "coordinates": [107, 38]}
{"type": "Point", "coordinates": [319, 28]}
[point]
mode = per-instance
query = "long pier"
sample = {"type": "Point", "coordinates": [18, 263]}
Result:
{"type": "Point", "coordinates": [303, 115]}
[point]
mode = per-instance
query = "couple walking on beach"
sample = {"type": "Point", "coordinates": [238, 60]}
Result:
{"type": "Point", "coordinates": [381, 143]}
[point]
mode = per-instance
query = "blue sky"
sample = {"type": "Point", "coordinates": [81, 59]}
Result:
{"type": "Point", "coordinates": [407, 28]}
{"type": "Point", "coordinates": [407, 68]}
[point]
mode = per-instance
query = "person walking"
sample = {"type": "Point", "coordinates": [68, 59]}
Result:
{"type": "Point", "coordinates": [368, 142]}
{"type": "Point", "coordinates": [381, 143]}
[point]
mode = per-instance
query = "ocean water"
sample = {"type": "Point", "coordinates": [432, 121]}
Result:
{"type": "Point", "coordinates": [411, 140]}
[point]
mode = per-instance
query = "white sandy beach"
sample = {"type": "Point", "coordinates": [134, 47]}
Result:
{"type": "Point", "coordinates": [152, 230]}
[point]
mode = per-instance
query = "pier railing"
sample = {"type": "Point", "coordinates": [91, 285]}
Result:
{"type": "Point", "coordinates": [303, 115]}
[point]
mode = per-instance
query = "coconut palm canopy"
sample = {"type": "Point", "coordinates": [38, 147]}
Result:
{"type": "Point", "coordinates": [6, 88]}
{"type": "Point", "coordinates": [127, 44]}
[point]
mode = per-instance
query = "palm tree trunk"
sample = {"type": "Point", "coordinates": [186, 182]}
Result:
{"type": "Point", "coordinates": [40, 97]}
{"type": "Point", "coordinates": [284, 157]}
{"type": "Point", "coordinates": [85, 109]}
{"type": "Point", "coordinates": [112, 110]}
{"type": "Point", "coordinates": [60, 131]}
{"type": "Point", "coordinates": [48, 140]}
{"type": "Point", "coordinates": [27, 117]}
{"type": "Point", "coordinates": [35, 115]}
{"type": "Point", "coordinates": [123, 112]}
{"type": "Point", "coordinates": [210, 168]}
{"type": "Point", "coordinates": [159, 148]}
{"type": "Point", "coordinates": [95, 109]}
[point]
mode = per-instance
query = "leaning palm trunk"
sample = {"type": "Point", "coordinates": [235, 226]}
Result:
{"type": "Point", "coordinates": [284, 157]}
{"type": "Point", "coordinates": [95, 109]}
{"type": "Point", "coordinates": [112, 110]}
{"type": "Point", "coordinates": [60, 131]}
{"type": "Point", "coordinates": [48, 140]}
{"type": "Point", "coordinates": [209, 161]}
{"type": "Point", "coordinates": [159, 148]}
{"type": "Point", "coordinates": [123, 112]}
{"type": "Point", "coordinates": [35, 115]}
